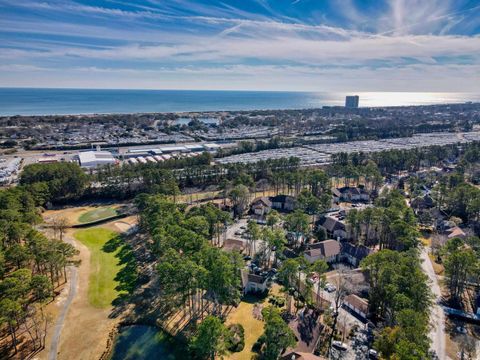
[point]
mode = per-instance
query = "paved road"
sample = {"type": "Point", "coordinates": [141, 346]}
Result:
{"type": "Point", "coordinates": [437, 316]}
{"type": "Point", "coordinates": [72, 290]}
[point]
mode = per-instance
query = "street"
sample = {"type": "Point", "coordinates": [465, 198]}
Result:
{"type": "Point", "coordinates": [437, 316]}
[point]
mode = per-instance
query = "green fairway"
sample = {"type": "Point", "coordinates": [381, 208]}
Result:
{"type": "Point", "coordinates": [105, 264]}
{"type": "Point", "coordinates": [97, 214]}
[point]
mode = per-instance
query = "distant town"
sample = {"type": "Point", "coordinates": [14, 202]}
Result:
{"type": "Point", "coordinates": [311, 135]}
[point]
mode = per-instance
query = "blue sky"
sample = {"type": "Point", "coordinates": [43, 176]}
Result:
{"type": "Point", "coordinates": [311, 45]}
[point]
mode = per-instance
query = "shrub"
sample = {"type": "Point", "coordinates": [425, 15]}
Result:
{"type": "Point", "coordinates": [236, 338]}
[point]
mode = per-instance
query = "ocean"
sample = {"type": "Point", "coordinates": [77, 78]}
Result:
{"type": "Point", "coordinates": [27, 101]}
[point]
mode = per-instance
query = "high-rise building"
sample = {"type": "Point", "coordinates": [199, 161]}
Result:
{"type": "Point", "coordinates": [351, 101]}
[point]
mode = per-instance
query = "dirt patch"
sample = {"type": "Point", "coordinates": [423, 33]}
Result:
{"type": "Point", "coordinates": [71, 214]}
{"type": "Point", "coordinates": [438, 268]}
{"type": "Point", "coordinates": [122, 225]}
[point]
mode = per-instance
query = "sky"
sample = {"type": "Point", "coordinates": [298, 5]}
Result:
{"type": "Point", "coordinates": [291, 45]}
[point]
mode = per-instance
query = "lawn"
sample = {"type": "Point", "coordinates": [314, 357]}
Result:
{"type": "Point", "coordinates": [253, 329]}
{"type": "Point", "coordinates": [97, 214]}
{"type": "Point", "coordinates": [243, 315]}
{"type": "Point", "coordinates": [104, 265]}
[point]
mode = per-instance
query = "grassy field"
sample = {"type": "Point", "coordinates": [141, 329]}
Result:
{"type": "Point", "coordinates": [97, 214]}
{"type": "Point", "coordinates": [104, 265]}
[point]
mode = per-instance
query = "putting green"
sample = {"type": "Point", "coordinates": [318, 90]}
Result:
{"type": "Point", "coordinates": [104, 265]}
{"type": "Point", "coordinates": [97, 214]}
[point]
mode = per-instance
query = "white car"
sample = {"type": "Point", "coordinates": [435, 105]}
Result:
{"type": "Point", "coordinates": [339, 345]}
{"type": "Point", "coordinates": [330, 288]}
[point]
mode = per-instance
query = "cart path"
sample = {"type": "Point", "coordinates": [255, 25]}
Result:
{"type": "Point", "coordinates": [72, 291]}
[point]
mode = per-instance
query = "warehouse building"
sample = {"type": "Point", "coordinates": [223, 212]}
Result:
{"type": "Point", "coordinates": [93, 159]}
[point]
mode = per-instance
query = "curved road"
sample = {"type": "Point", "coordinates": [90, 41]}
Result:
{"type": "Point", "coordinates": [437, 316]}
{"type": "Point", "coordinates": [72, 290]}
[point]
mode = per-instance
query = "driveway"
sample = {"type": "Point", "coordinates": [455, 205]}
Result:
{"type": "Point", "coordinates": [437, 316]}
{"type": "Point", "coordinates": [236, 227]}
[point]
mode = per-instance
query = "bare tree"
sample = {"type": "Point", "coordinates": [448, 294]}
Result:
{"type": "Point", "coordinates": [60, 225]}
{"type": "Point", "coordinates": [345, 286]}
{"type": "Point", "coordinates": [467, 346]}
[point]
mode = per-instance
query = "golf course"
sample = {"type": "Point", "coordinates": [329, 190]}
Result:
{"type": "Point", "coordinates": [97, 214]}
{"type": "Point", "coordinates": [104, 264]}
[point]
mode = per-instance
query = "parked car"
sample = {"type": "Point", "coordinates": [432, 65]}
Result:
{"type": "Point", "coordinates": [339, 345]}
{"type": "Point", "coordinates": [372, 354]}
{"type": "Point", "coordinates": [330, 288]}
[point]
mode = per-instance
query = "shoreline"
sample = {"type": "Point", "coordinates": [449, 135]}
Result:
{"type": "Point", "coordinates": [104, 102]}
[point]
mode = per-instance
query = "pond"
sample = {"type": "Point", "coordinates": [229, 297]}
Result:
{"type": "Point", "coordinates": [146, 342]}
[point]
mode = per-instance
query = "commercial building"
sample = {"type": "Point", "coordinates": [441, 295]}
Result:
{"type": "Point", "coordinates": [92, 159]}
{"type": "Point", "coordinates": [351, 101]}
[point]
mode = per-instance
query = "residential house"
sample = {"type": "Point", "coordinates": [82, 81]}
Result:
{"type": "Point", "coordinates": [334, 227]}
{"type": "Point", "coordinates": [328, 250]}
{"type": "Point", "coordinates": [353, 255]}
{"type": "Point", "coordinates": [444, 225]}
{"type": "Point", "coordinates": [234, 245]}
{"type": "Point", "coordinates": [450, 230]}
{"type": "Point", "coordinates": [350, 194]}
{"type": "Point", "coordinates": [455, 232]}
{"type": "Point", "coordinates": [422, 203]}
{"type": "Point", "coordinates": [253, 283]}
{"type": "Point", "coordinates": [357, 305]}
{"type": "Point", "coordinates": [284, 203]}
{"type": "Point", "coordinates": [261, 206]}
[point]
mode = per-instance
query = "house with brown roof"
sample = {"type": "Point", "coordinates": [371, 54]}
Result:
{"type": "Point", "coordinates": [422, 203]}
{"type": "Point", "coordinates": [350, 194]}
{"type": "Point", "coordinates": [328, 250]}
{"type": "Point", "coordinates": [252, 282]}
{"type": "Point", "coordinates": [233, 245]}
{"type": "Point", "coordinates": [261, 206]}
{"type": "Point", "coordinates": [283, 203]}
{"type": "Point", "coordinates": [352, 254]}
{"type": "Point", "coordinates": [357, 305]}
{"type": "Point", "coordinates": [455, 232]}
{"type": "Point", "coordinates": [334, 227]}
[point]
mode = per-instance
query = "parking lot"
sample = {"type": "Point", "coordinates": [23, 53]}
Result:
{"type": "Point", "coordinates": [320, 154]}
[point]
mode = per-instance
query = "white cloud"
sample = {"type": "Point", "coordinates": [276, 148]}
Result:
{"type": "Point", "coordinates": [221, 56]}
{"type": "Point", "coordinates": [354, 50]}
{"type": "Point", "coordinates": [268, 77]}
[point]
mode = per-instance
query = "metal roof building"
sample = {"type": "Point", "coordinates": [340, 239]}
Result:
{"type": "Point", "coordinates": [92, 159]}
